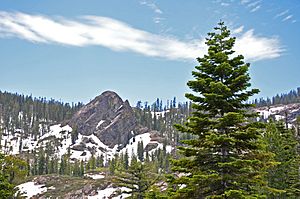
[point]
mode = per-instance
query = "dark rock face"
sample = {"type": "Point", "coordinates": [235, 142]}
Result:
{"type": "Point", "coordinates": [109, 118]}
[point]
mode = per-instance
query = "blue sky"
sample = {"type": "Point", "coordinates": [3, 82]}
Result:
{"type": "Point", "coordinates": [74, 50]}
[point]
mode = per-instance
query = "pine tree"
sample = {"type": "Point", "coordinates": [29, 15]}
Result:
{"type": "Point", "coordinates": [138, 178]}
{"type": "Point", "coordinates": [74, 135]}
{"type": "Point", "coordinates": [99, 161]}
{"type": "Point", "coordinates": [76, 169]}
{"type": "Point", "coordinates": [6, 189]}
{"type": "Point", "coordinates": [28, 166]}
{"type": "Point", "coordinates": [52, 166]}
{"type": "Point", "coordinates": [14, 168]}
{"type": "Point", "coordinates": [227, 157]}
{"type": "Point", "coordinates": [284, 176]}
{"type": "Point", "coordinates": [41, 162]}
{"type": "Point", "coordinates": [112, 166]}
{"type": "Point", "coordinates": [126, 160]}
{"type": "Point", "coordinates": [81, 168]}
{"type": "Point", "coordinates": [63, 166]}
{"type": "Point", "coordinates": [92, 162]}
{"type": "Point", "coordinates": [140, 151]}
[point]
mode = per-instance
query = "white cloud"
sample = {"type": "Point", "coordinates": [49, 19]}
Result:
{"type": "Point", "coordinates": [238, 30]}
{"type": "Point", "coordinates": [245, 1]}
{"type": "Point", "coordinates": [282, 13]}
{"type": "Point", "coordinates": [255, 9]}
{"type": "Point", "coordinates": [152, 6]}
{"type": "Point", "coordinates": [119, 36]}
{"type": "Point", "coordinates": [225, 4]}
{"type": "Point", "coordinates": [287, 17]}
{"type": "Point", "coordinates": [158, 19]}
{"type": "Point", "coordinates": [253, 4]}
{"type": "Point", "coordinates": [256, 47]}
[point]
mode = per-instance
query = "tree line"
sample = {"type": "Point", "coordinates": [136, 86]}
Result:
{"type": "Point", "coordinates": [292, 96]}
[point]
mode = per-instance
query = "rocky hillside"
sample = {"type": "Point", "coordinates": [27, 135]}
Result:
{"type": "Point", "coordinates": [103, 127]}
{"type": "Point", "coordinates": [109, 118]}
{"type": "Point", "coordinates": [286, 112]}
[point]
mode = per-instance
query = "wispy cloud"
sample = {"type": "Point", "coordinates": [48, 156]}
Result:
{"type": "Point", "coordinates": [255, 9]}
{"type": "Point", "coordinates": [287, 17]}
{"type": "Point", "coordinates": [152, 6]}
{"type": "Point", "coordinates": [158, 19]}
{"type": "Point", "coordinates": [253, 6]}
{"type": "Point", "coordinates": [245, 1]}
{"type": "Point", "coordinates": [119, 36]}
{"type": "Point", "coordinates": [282, 13]}
{"type": "Point", "coordinates": [238, 30]}
{"type": "Point", "coordinates": [225, 4]}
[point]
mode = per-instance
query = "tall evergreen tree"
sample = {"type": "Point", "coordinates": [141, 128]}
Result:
{"type": "Point", "coordinates": [6, 188]}
{"type": "Point", "coordinates": [41, 162]}
{"type": "Point", "coordinates": [63, 165]}
{"type": "Point", "coordinates": [140, 150]}
{"type": "Point", "coordinates": [138, 178]}
{"type": "Point", "coordinates": [81, 168]}
{"type": "Point", "coordinates": [226, 158]}
{"type": "Point", "coordinates": [126, 160]}
{"type": "Point", "coordinates": [92, 162]}
{"type": "Point", "coordinates": [13, 170]}
{"type": "Point", "coordinates": [99, 161]}
{"type": "Point", "coordinates": [76, 169]}
{"type": "Point", "coordinates": [284, 176]}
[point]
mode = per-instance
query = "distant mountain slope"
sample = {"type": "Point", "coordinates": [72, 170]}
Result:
{"type": "Point", "coordinates": [286, 112]}
{"type": "Point", "coordinates": [105, 126]}
{"type": "Point", "coordinates": [109, 118]}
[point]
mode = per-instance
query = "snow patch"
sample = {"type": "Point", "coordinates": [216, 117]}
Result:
{"type": "Point", "coordinates": [99, 123]}
{"type": "Point", "coordinates": [159, 114]}
{"type": "Point", "coordinates": [108, 192]}
{"type": "Point", "coordinates": [30, 189]}
{"type": "Point", "coordinates": [95, 176]}
{"type": "Point", "coordinates": [132, 146]}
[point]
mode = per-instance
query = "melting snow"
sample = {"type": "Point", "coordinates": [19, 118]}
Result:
{"type": "Point", "coordinates": [158, 114]}
{"type": "Point", "coordinates": [132, 147]}
{"type": "Point", "coordinates": [108, 192]}
{"type": "Point", "coordinates": [95, 176]}
{"type": "Point", "coordinates": [99, 124]}
{"type": "Point", "coordinates": [11, 143]}
{"type": "Point", "coordinates": [133, 143]}
{"type": "Point", "coordinates": [29, 189]}
{"type": "Point", "coordinates": [78, 154]}
{"type": "Point", "coordinates": [265, 112]}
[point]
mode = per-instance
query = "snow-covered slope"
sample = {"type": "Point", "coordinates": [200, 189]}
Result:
{"type": "Point", "coordinates": [109, 192]}
{"type": "Point", "coordinates": [60, 139]}
{"type": "Point", "coordinates": [18, 141]}
{"type": "Point", "coordinates": [105, 126]}
{"type": "Point", "coordinates": [30, 189]}
{"type": "Point", "coordinates": [287, 112]}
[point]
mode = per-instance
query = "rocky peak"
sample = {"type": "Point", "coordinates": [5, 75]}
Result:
{"type": "Point", "coordinates": [108, 117]}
